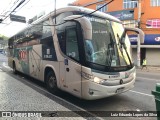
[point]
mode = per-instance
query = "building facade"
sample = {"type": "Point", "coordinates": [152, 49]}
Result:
{"type": "Point", "coordinates": [144, 14]}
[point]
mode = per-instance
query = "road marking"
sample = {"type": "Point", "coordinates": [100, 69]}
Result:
{"type": "Point", "coordinates": [141, 93]}
{"type": "Point", "coordinates": [149, 72]}
{"type": "Point", "coordinates": [6, 66]}
{"type": "Point", "coordinates": [150, 79]}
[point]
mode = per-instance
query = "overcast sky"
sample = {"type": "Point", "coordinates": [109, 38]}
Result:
{"type": "Point", "coordinates": [29, 10]}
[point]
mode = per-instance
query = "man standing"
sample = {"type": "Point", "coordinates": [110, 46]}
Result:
{"type": "Point", "coordinates": [144, 63]}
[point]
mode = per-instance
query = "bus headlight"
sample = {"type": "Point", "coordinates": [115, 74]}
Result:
{"type": "Point", "coordinates": [87, 76]}
{"type": "Point", "coordinates": [98, 80]}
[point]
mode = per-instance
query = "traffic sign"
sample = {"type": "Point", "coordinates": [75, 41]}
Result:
{"type": "Point", "coordinates": [17, 18]}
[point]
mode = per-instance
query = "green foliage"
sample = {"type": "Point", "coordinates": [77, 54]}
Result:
{"type": "Point", "coordinates": [2, 37]}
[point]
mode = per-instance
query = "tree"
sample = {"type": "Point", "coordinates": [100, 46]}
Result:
{"type": "Point", "coordinates": [2, 37]}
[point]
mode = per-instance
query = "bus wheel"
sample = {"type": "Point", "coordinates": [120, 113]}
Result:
{"type": "Point", "coordinates": [14, 68]}
{"type": "Point", "coordinates": [51, 82]}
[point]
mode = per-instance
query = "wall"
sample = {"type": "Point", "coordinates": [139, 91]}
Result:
{"type": "Point", "coordinates": [148, 12]}
{"type": "Point", "coordinates": [153, 56]}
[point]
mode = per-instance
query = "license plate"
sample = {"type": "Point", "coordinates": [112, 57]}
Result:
{"type": "Point", "coordinates": [120, 90]}
{"type": "Point", "coordinates": [114, 76]}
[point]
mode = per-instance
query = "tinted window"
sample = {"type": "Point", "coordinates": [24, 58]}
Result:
{"type": "Point", "coordinates": [72, 43]}
{"type": "Point", "coordinates": [61, 34]}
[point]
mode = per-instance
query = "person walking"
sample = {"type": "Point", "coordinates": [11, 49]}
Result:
{"type": "Point", "coordinates": [144, 64]}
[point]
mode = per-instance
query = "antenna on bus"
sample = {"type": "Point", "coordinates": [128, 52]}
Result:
{"type": "Point", "coordinates": [55, 11]}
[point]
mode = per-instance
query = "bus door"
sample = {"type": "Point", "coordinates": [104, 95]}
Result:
{"type": "Point", "coordinates": [72, 67]}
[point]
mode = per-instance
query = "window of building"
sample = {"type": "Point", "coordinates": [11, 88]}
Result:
{"type": "Point", "coordinates": [153, 23]}
{"type": "Point", "coordinates": [155, 2]}
{"type": "Point", "coordinates": [130, 23]}
{"type": "Point", "coordinates": [104, 9]}
{"type": "Point", "coordinates": [129, 4]}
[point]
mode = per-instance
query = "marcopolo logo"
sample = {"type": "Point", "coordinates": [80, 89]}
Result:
{"type": "Point", "coordinates": [157, 39]}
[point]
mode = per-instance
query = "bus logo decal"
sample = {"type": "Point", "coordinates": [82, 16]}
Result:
{"type": "Point", "coordinates": [22, 54]}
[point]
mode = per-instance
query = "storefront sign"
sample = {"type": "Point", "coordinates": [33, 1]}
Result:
{"type": "Point", "coordinates": [123, 14]}
{"type": "Point", "coordinates": [150, 39]}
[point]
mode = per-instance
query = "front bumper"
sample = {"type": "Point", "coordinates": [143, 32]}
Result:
{"type": "Point", "coordinates": [92, 90]}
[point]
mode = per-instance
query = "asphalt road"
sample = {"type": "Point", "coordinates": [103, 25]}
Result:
{"type": "Point", "coordinates": [137, 99]}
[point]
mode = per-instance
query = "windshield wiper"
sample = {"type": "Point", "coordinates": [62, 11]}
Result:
{"type": "Point", "coordinates": [110, 51]}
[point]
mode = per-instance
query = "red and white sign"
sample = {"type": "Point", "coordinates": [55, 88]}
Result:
{"type": "Point", "coordinates": [22, 54]}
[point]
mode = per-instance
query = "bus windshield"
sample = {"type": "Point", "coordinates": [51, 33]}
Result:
{"type": "Point", "coordinates": [106, 47]}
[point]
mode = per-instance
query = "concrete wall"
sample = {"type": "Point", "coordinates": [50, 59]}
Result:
{"type": "Point", "coordinates": [152, 56]}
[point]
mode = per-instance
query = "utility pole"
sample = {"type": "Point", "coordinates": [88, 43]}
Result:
{"type": "Point", "coordinates": [138, 44]}
{"type": "Point", "coordinates": [138, 37]}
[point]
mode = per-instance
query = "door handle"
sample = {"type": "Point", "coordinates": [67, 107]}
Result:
{"type": "Point", "coordinates": [67, 69]}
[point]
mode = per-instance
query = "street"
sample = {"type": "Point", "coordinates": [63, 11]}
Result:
{"type": "Point", "coordinates": [137, 99]}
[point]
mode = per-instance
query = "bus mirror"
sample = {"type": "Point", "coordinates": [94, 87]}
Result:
{"type": "Point", "coordinates": [85, 24]}
{"type": "Point", "coordinates": [138, 31]}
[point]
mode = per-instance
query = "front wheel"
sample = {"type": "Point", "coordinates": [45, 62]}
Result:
{"type": "Point", "coordinates": [51, 82]}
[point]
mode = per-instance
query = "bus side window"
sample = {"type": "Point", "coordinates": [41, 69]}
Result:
{"type": "Point", "coordinates": [47, 38]}
{"type": "Point", "coordinates": [61, 39]}
{"type": "Point", "coordinates": [72, 43]}
{"type": "Point", "coordinates": [48, 49]}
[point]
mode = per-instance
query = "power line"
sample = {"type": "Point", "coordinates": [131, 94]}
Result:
{"type": "Point", "coordinates": [55, 11]}
{"type": "Point", "coordinates": [74, 18]}
{"type": "Point", "coordinates": [94, 10]}
{"type": "Point", "coordinates": [14, 9]}
{"type": "Point", "coordinates": [80, 16]}
{"type": "Point", "coordinates": [23, 5]}
{"type": "Point", "coordinates": [10, 8]}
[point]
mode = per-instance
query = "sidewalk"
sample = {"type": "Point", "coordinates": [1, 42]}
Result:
{"type": "Point", "coordinates": [20, 99]}
{"type": "Point", "coordinates": [150, 69]}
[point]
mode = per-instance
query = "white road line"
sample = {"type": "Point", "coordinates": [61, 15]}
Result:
{"type": "Point", "coordinates": [149, 72]}
{"type": "Point", "coordinates": [6, 66]}
{"type": "Point", "coordinates": [150, 79]}
{"type": "Point", "coordinates": [141, 93]}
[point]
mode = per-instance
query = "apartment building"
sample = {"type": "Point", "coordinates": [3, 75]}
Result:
{"type": "Point", "coordinates": [144, 14]}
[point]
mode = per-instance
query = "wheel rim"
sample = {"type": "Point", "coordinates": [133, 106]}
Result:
{"type": "Point", "coordinates": [52, 82]}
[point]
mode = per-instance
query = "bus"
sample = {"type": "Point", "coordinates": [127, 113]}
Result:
{"type": "Point", "coordinates": [84, 52]}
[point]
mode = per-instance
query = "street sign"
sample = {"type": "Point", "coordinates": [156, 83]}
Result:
{"type": "Point", "coordinates": [17, 18]}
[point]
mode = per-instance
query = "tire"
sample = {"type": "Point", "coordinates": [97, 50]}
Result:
{"type": "Point", "coordinates": [51, 82]}
{"type": "Point", "coordinates": [14, 68]}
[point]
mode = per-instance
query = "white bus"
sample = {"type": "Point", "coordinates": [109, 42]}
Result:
{"type": "Point", "coordinates": [87, 55]}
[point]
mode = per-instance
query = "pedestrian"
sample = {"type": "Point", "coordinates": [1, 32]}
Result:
{"type": "Point", "coordinates": [144, 64]}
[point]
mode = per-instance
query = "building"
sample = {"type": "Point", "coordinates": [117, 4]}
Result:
{"type": "Point", "coordinates": [144, 14]}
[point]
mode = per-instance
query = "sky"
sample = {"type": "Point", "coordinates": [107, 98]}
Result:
{"type": "Point", "coordinates": [28, 9]}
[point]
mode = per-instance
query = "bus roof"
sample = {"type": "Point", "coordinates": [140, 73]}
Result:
{"type": "Point", "coordinates": [71, 9]}
{"type": "Point", "coordinates": [80, 9]}
{"type": "Point", "coordinates": [87, 11]}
